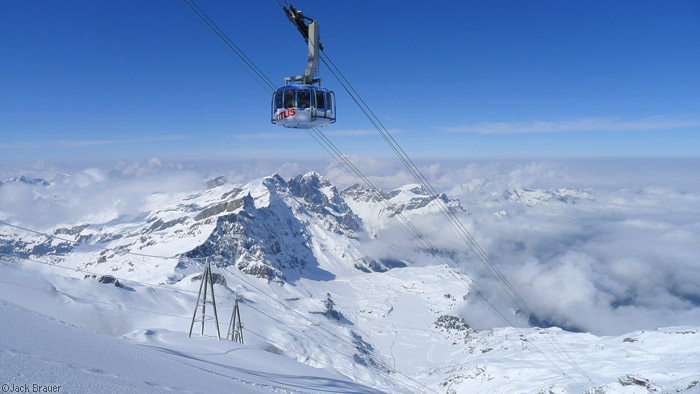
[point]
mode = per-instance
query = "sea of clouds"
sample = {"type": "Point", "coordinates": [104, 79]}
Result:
{"type": "Point", "coordinates": [606, 246]}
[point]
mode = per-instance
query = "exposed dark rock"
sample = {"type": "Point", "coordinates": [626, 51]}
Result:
{"type": "Point", "coordinates": [330, 311]}
{"type": "Point", "coordinates": [372, 265]}
{"type": "Point", "coordinates": [262, 271]}
{"type": "Point", "coordinates": [14, 247]}
{"type": "Point", "coordinates": [276, 182]}
{"type": "Point", "coordinates": [364, 354]}
{"type": "Point", "coordinates": [108, 280]}
{"type": "Point", "coordinates": [71, 231]}
{"type": "Point", "coordinates": [233, 193]}
{"type": "Point", "coordinates": [49, 248]}
{"type": "Point", "coordinates": [159, 225]}
{"type": "Point", "coordinates": [451, 323]}
{"type": "Point", "coordinates": [629, 380]}
{"type": "Point", "coordinates": [227, 206]}
{"type": "Point", "coordinates": [218, 279]}
{"type": "Point", "coordinates": [215, 182]}
{"type": "Point", "coordinates": [329, 207]}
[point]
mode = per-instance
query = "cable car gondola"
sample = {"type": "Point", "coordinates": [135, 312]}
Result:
{"type": "Point", "coordinates": [302, 103]}
{"type": "Point", "coordinates": [303, 106]}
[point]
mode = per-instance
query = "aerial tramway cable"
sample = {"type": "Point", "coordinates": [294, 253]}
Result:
{"type": "Point", "coordinates": [250, 305]}
{"type": "Point", "coordinates": [249, 331]}
{"type": "Point", "coordinates": [335, 153]}
{"type": "Point", "coordinates": [462, 231]}
{"type": "Point", "coordinates": [455, 270]}
{"type": "Point", "coordinates": [261, 76]}
{"type": "Point", "coordinates": [423, 181]}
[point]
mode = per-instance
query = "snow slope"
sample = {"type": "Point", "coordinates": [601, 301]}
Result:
{"type": "Point", "coordinates": [402, 318]}
{"type": "Point", "coordinates": [36, 349]}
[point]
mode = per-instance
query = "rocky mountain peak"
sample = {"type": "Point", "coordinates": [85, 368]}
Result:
{"type": "Point", "coordinates": [413, 188]}
{"type": "Point", "coordinates": [275, 182]}
{"type": "Point", "coordinates": [323, 199]}
{"type": "Point", "coordinates": [407, 198]}
{"type": "Point", "coordinates": [27, 181]}
{"type": "Point", "coordinates": [248, 202]}
{"type": "Point", "coordinates": [313, 189]}
{"type": "Point", "coordinates": [532, 197]}
{"type": "Point", "coordinates": [315, 176]}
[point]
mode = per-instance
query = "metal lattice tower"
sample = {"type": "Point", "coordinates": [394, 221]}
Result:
{"type": "Point", "coordinates": [235, 328]}
{"type": "Point", "coordinates": [206, 284]}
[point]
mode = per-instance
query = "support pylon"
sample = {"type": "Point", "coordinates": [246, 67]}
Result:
{"type": "Point", "coordinates": [235, 328]}
{"type": "Point", "coordinates": [207, 282]}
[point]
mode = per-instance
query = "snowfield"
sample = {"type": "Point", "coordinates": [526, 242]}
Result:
{"type": "Point", "coordinates": [336, 297]}
{"type": "Point", "coordinates": [37, 350]}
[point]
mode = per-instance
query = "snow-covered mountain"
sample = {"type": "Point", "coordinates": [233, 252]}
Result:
{"type": "Point", "coordinates": [302, 244]}
{"type": "Point", "coordinates": [271, 228]}
{"type": "Point", "coordinates": [540, 196]}
{"type": "Point", "coordinates": [26, 180]}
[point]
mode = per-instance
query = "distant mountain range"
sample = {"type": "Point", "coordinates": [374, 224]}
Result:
{"type": "Point", "coordinates": [26, 180]}
{"type": "Point", "coordinates": [270, 228]}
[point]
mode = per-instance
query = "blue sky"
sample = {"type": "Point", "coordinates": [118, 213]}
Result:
{"type": "Point", "coordinates": [85, 80]}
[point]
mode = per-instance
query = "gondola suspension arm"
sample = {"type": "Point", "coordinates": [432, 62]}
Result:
{"type": "Point", "coordinates": [310, 33]}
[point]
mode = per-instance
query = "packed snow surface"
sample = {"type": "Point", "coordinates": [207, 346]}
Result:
{"type": "Point", "coordinates": [51, 356]}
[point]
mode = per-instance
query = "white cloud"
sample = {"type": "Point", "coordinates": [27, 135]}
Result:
{"type": "Point", "coordinates": [584, 124]}
{"type": "Point", "coordinates": [622, 260]}
{"type": "Point", "coordinates": [92, 194]}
